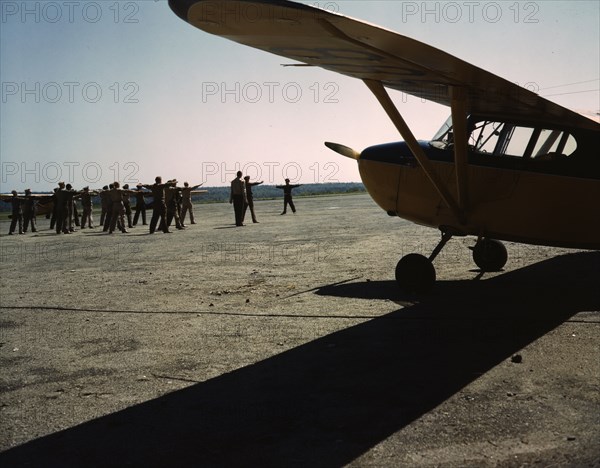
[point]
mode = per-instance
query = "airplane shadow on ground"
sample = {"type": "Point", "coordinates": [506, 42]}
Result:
{"type": "Point", "coordinates": [327, 402]}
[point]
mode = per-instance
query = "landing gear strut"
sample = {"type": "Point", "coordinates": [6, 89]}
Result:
{"type": "Point", "coordinates": [415, 273]}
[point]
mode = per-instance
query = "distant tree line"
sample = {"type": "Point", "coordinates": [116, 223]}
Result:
{"type": "Point", "coordinates": [269, 192]}
{"type": "Point", "coordinates": [263, 192]}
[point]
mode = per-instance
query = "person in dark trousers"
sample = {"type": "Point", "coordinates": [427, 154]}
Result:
{"type": "Point", "coordinates": [237, 196]}
{"type": "Point", "coordinates": [62, 210]}
{"type": "Point", "coordinates": [178, 196]}
{"type": "Point", "coordinates": [104, 204]}
{"type": "Point", "coordinates": [140, 205]}
{"type": "Point", "coordinates": [117, 197]}
{"type": "Point", "coordinates": [72, 215]}
{"type": "Point", "coordinates": [287, 195]}
{"type": "Point", "coordinates": [249, 196]}
{"type": "Point", "coordinates": [54, 209]}
{"type": "Point", "coordinates": [159, 208]}
{"type": "Point", "coordinates": [72, 207]}
{"type": "Point", "coordinates": [109, 207]}
{"type": "Point", "coordinates": [127, 205]}
{"type": "Point", "coordinates": [171, 204]}
{"type": "Point", "coordinates": [29, 207]}
{"type": "Point", "coordinates": [16, 212]}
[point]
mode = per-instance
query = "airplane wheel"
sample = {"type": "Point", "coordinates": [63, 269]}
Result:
{"type": "Point", "coordinates": [490, 255]}
{"type": "Point", "coordinates": [415, 273]}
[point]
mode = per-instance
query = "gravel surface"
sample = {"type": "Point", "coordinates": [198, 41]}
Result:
{"type": "Point", "coordinates": [287, 343]}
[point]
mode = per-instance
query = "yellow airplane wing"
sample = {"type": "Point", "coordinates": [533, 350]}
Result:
{"type": "Point", "coordinates": [344, 45]}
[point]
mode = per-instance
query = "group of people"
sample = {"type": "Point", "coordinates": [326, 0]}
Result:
{"type": "Point", "coordinates": [22, 211]}
{"type": "Point", "coordinates": [241, 197]}
{"type": "Point", "coordinates": [170, 202]}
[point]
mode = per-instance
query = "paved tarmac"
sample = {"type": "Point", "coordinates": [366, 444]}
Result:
{"type": "Point", "coordinates": [288, 344]}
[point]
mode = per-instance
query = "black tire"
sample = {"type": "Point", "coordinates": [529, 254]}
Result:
{"type": "Point", "coordinates": [415, 274]}
{"type": "Point", "coordinates": [490, 255]}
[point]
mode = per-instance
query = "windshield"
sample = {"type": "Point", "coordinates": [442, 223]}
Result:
{"type": "Point", "coordinates": [443, 136]}
{"type": "Point", "coordinates": [442, 133]}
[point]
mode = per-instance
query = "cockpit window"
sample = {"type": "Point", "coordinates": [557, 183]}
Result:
{"type": "Point", "coordinates": [485, 136]}
{"type": "Point", "coordinates": [506, 139]}
{"type": "Point", "coordinates": [553, 144]}
{"type": "Point", "coordinates": [519, 140]}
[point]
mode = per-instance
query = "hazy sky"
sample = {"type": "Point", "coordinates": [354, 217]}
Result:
{"type": "Point", "coordinates": [99, 91]}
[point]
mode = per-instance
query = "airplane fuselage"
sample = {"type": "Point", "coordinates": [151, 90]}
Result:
{"type": "Point", "coordinates": [506, 199]}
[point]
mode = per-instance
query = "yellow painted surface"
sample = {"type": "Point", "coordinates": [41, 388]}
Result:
{"type": "Point", "coordinates": [506, 205]}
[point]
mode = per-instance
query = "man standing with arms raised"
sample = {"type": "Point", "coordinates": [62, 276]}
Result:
{"type": "Point", "coordinates": [186, 204]}
{"type": "Point", "coordinates": [287, 196]}
{"type": "Point", "coordinates": [250, 198]}
{"type": "Point", "coordinates": [159, 208]}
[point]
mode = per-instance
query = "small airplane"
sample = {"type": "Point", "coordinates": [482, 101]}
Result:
{"type": "Point", "coordinates": [507, 165]}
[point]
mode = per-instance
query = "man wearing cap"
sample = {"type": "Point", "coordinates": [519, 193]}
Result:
{"type": "Point", "coordinates": [249, 197]}
{"type": "Point", "coordinates": [237, 196]}
{"type": "Point", "coordinates": [287, 196]}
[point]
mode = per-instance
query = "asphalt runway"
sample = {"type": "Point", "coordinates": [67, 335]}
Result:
{"type": "Point", "coordinates": [288, 344]}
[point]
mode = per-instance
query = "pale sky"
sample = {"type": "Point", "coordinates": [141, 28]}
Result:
{"type": "Point", "coordinates": [99, 91]}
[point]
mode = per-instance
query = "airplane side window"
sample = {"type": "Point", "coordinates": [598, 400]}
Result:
{"type": "Point", "coordinates": [570, 145]}
{"type": "Point", "coordinates": [553, 145]}
{"type": "Point", "coordinates": [485, 135]}
{"type": "Point", "coordinates": [505, 139]}
{"type": "Point", "coordinates": [519, 141]}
